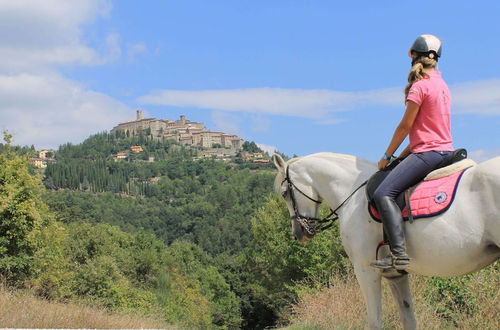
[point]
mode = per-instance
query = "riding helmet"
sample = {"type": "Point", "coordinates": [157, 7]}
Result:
{"type": "Point", "coordinates": [427, 45]}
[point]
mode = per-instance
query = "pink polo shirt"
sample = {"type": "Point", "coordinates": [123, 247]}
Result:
{"type": "Point", "coordinates": [431, 129]}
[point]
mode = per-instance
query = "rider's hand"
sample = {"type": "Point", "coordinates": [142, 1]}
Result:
{"type": "Point", "coordinates": [382, 163]}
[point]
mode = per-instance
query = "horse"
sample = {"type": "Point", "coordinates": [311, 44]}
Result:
{"type": "Point", "coordinates": [462, 240]}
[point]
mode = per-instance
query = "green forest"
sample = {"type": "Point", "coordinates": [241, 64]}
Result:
{"type": "Point", "coordinates": [206, 244]}
{"type": "Point", "coordinates": [202, 243]}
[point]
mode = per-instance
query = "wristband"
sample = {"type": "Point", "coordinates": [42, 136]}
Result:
{"type": "Point", "coordinates": [387, 157]}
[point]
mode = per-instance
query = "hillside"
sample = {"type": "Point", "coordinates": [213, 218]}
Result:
{"type": "Point", "coordinates": [24, 310]}
{"type": "Point", "coordinates": [177, 236]}
{"type": "Point", "coordinates": [206, 201]}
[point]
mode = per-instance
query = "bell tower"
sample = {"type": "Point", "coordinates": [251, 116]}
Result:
{"type": "Point", "coordinates": [139, 114]}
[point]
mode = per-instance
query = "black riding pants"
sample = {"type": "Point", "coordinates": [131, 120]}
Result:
{"type": "Point", "coordinates": [411, 171]}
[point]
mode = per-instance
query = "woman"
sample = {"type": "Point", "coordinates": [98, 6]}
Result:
{"type": "Point", "coordinates": [427, 122]}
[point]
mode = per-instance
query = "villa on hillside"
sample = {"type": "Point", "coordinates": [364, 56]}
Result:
{"type": "Point", "coordinates": [45, 157]}
{"type": "Point", "coordinates": [136, 149]}
{"type": "Point", "coordinates": [182, 131]}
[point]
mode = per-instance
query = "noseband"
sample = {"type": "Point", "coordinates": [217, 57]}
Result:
{"type": "Point", "coordinates": [310, 224]}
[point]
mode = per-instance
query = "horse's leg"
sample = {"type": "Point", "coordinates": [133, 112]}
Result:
{"type": "Point", "coordinates": [369, 281]}
{"type": "Point", "coordinates": [400, 287]}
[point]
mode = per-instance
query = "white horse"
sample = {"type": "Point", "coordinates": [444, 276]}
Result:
{"type": "Point", "coordinates": [464, 239]}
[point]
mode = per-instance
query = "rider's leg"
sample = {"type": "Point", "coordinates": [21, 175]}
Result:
{"type": "Point", "coordinates": [393, 227]}
{"type": "Point", "coordinates": [411, 170]}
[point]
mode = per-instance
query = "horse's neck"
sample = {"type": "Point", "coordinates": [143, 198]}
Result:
{"type": "Point", "coordinates": [335, 177]}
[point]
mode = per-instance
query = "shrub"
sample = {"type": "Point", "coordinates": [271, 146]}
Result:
{"type": "Point", "coordinates": [22, 214]}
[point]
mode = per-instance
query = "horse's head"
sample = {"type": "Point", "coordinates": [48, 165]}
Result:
{"type": "Point", "coordinates": [301, 199]}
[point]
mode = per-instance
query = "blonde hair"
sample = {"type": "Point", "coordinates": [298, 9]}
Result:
{"type": "Point", "coordinates": [417, 71]}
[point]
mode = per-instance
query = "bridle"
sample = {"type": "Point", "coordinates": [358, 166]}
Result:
{"type": "Point", "coordinates": [310, 224]}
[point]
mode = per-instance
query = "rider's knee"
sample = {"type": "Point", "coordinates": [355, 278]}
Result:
{"type": "Point", "coordinates": [379, 194]}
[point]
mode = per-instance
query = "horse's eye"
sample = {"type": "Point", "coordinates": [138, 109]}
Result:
{"type": "Point", "coordinates": [284, 193]}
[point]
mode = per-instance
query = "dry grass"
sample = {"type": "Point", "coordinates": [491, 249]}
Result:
{"type": "Point", "coordinates": [22, 310]}
{"type": "Point", "coordinates": [342, 306]}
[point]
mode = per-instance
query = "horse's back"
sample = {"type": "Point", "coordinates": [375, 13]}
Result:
{"type": "Point", "coordinates": [486, 179]}
{"type": "Point", "coordinates": [490, 169]}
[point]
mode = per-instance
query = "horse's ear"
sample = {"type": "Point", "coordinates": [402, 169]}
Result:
{"type": "Point", "coordinates": [279, 163]}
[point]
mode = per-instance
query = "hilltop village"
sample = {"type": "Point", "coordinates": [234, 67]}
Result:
{"type": "Point", "coordinates": [187, 133]}
{"type": "Point", "coordinates": [184, 132]}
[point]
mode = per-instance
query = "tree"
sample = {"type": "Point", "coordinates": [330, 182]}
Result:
{"type": "Point", "coordinates": [251, 147]}
{"type": "Point", "coordinates": [22, 213]}
{"type": "Point", "coordinates": [280, 262]}
{"type": "Point", "coordinates": [198, 267]}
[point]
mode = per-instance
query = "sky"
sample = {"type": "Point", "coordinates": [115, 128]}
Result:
{"type": "Point", "coordinates": [297, 76]}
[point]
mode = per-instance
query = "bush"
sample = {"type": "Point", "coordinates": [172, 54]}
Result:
{"type": "Point", "coordinates": [466, 297]}
{"type": "Point", "coordinates": [22, 214]}
{"type": "Point", "coordinates": [278, 262]}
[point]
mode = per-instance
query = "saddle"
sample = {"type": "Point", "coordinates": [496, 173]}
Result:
{"type": "Point", "coordinates": [428, 198]}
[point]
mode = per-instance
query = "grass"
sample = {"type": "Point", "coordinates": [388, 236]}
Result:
{"type": "Point", "coordinates": [19, 309]}
{"type": "Point", "coordinates": [341, 306]}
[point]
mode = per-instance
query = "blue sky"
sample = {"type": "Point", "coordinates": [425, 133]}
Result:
{"type": "Point", "coordinates": [300, 76]}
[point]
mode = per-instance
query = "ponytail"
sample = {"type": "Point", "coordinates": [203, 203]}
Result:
{"type": "Point", "coordinates": [417, 71]}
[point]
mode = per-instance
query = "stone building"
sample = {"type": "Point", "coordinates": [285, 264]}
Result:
{"type": "Point", "coordinates": [136, 149]}
{"type": "Point", "coordinates": [45, 157]}
{"type": "Point", "coordinates": [182, 131]}
{"type": "Point", "coordinates": [41, 162]}
{"type": "Point", "coordinates": [148, 126]}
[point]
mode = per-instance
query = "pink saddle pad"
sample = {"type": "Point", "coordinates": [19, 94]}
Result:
{"type": "Point", "coordinates": [429, 198]}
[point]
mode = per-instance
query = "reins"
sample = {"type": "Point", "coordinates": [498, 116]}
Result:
{"type": "Point", "coordinates": [310, 224]}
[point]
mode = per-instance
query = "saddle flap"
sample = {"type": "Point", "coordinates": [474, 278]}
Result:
{"type": "Point", "coordinates": [454, 164]}
{"type": "Point", "coordinates": [429, 198]}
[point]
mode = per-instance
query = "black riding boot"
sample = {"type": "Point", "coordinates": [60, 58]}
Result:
{"type": "Point", "coordinates": [393, 227]}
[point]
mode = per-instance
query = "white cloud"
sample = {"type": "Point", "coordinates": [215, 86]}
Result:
{"type": "Point", "coordinates": [479, 97]}
{"type": "Point", "coordinates": [39, 34]}
{"type": "Point", "coordinates": [267, 148]}
{"type": "Point", "coordinates": [482, 155]}
{"type": "Point", "coordinates": [37, 104]}
{"type": "Point", "coordinates": [49, 110]}
{"type": "Point", "coordinates": [330, 121]}
{"type": "Point", "coordinates": [277, 101]}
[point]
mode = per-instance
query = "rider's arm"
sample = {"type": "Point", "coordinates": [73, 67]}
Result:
{"type": "Point", "coordinates": [401, 131]}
